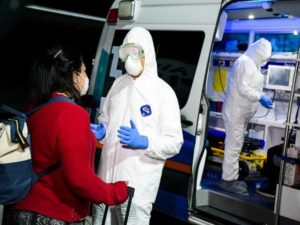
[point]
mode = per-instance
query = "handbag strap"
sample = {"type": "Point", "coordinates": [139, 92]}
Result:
{"type": "Point", "coordinates": [48, 170]}
{"type": "Point", "coordinates": [24, 115]}
{"type": "Point", "coordinates": [51, 100]}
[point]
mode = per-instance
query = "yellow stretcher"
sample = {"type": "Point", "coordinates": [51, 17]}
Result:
{"type": "Point", "coordinates": [256, 159]}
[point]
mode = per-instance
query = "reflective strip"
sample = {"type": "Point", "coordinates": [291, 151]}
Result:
{"type": "Point", "coordinates": [178, 166]}
{"type": "Point", "coordinates": [99, 145]}
{"type": "Point", "coordinates": [18, 131]}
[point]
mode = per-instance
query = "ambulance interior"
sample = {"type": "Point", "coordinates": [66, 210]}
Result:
{"type": "Point", "coordinates": [244, 23]}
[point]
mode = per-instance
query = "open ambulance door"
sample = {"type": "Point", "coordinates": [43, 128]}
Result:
{"type": "Point", "coordinates": [269, 130]}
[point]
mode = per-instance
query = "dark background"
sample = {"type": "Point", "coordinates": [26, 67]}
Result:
{"type": "Point", "coordinates": [25, 32]}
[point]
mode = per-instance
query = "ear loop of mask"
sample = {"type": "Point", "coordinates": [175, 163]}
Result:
{"type": "Point", "coordinates": [83, 90]}
{"type": "Point", "coordinates": [77, 80]}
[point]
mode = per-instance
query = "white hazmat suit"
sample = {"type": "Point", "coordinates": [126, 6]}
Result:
{"type": "Point", "coordinates": [141, 168]}
{"type": "Point", "coordinates": [245, 89]}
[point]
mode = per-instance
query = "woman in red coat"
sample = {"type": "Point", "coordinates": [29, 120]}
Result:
{"type": "Point", "coordinates": [60, 132]}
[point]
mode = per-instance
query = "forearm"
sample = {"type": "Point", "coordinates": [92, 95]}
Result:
{"type": "Point", "coordinates": [164, 147]}
{"type": "Point", "coordinates": [92, 188]}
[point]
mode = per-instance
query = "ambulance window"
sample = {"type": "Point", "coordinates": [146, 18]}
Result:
{"type": "Point", "coordinates": [177, 54]}
{"type": "Point", "coordinates": [281, 42]}
{"type": "Point", "coordinates": [232, 42]}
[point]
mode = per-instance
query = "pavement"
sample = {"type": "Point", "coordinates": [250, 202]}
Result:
{"type": "Point", "coordinates": [159, 218]}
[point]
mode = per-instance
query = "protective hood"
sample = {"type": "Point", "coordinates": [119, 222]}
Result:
{"type": "Point", "coordinates": [141, 36]}
{"type": "Point", "coordinates": [259, 51]}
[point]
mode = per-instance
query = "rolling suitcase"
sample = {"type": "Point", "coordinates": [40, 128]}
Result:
{"type": "Point", "coordinates": [130, 196]}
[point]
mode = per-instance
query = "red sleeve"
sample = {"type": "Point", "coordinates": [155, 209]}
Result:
{"type": "Point", "coordinates": [75, 145]}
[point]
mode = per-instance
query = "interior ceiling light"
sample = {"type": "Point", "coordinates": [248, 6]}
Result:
{"type": "Point", "coordinates": [291, 17]}
{"type": "Point", "coordinates": [284, 15]}
{"type": "Point", "coordinates": [267, 6]}
{"type": "Point", "coordinates": [251, 17]}
{"type": "Point", "coordinates": [248, 4]}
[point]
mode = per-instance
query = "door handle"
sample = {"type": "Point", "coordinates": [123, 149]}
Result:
{"type": "Point", "coordinates": [186, 123]}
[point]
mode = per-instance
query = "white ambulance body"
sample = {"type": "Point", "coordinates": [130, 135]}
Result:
{"type": "Point", "coordinates": [196, 43]}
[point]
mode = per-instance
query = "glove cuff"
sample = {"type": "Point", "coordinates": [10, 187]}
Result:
{"type": "Point", "coordinates": [121, 192]}
{"type": "Point", "coordinates": [102, 136]}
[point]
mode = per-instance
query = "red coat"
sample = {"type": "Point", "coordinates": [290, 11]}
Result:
{"type": "Point", "coordinates": [60, 132]}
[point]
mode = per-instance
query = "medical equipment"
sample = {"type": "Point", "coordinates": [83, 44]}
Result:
{"type": "Point", "coordinates": [280, 77]}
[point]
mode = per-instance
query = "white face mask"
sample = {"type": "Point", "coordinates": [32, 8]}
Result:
{"type": "Point", "coordinates": [85, 87]}
{"type": "Point", "coordinates": [264, 62]}
{"type": "Point", "coordinates": [133, 67]}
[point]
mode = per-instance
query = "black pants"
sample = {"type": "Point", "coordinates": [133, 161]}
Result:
{"type": "Point", "coordinates": [20, 217]}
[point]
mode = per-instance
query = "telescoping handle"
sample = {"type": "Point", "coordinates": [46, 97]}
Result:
{"type": "Point", "coordinates": [130, 192]}
{"type": "Point", "coordinates": [130, 196]}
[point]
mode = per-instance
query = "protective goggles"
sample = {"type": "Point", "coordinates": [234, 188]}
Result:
{"type": "Point", "coordinates": [133, 50]}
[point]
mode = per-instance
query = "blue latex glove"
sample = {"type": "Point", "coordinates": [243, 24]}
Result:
{"type": "Point", "coordinates": [130, 137]}
{"type": "Point", "coordinates": [266, 102]}
{"type": "Point", "coordinates": [99, 130]}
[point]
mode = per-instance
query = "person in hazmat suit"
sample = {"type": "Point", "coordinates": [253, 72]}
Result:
{"type": "Point", "coordinates": [141, 123]}
{"type": "Point", "coordinates": [245, 90]}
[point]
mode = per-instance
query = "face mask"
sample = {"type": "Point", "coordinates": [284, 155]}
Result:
{"type": "Point", "coordinates": [85, 86]}
{"type": "Point", "coordinates": [133, 67]}
{"type": "Point", "coordinates": [264, 62]}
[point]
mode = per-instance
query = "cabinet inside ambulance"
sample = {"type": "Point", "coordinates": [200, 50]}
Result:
{"type": "Point", "coordinates": [269, 158]}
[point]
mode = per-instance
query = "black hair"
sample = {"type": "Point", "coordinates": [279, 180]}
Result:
{"type": "Point", "coordinates": [53, 71]}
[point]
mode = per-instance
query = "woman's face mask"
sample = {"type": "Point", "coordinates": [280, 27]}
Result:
{"type": "Point", "coordinates": [85, 87]}
{"type": "Point", "coordinates": [81, 81]}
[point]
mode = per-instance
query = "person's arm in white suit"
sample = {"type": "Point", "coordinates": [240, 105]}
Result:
{"type": "Point", "coordinates": [244, 81]}
{"type": "Point", "coordinates": [166, 142]}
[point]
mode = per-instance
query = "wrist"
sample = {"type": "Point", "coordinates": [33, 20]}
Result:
{"type": "Point", "coordinates": [102, 136]}
{"type": "Point", "coordinates": [121, 190]}
{"type": "Point", "coordinates": [259, 96]}
{"type": "Point", "coordinates": [101, 132]}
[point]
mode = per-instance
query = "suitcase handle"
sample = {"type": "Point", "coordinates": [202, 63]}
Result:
{"type": "Point", "coordinates": [130, 196]}
{"type": "Point", "coordinates": [130, 191]}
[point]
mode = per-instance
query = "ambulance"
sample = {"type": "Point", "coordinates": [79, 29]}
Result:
{"type": "Point", "coordinates": [196, 43]}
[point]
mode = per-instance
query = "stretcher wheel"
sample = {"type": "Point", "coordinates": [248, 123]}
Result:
{"type": "Point", "coordinates": [244, 169]}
